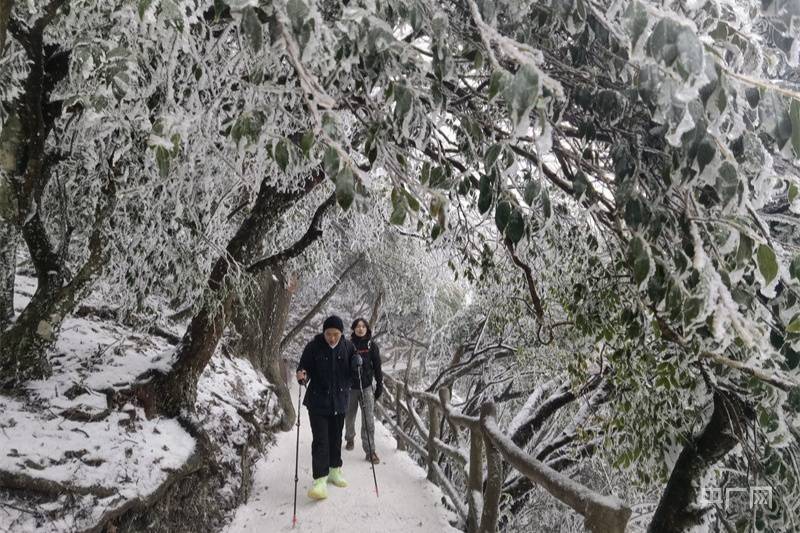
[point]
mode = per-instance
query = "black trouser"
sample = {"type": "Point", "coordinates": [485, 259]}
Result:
{"type": "Point", "coordinates": [326, 443]}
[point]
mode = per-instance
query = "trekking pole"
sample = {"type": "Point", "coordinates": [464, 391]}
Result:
{"type": "Point", "coordinates": [366, 430]}
{"type": "Point", "coordinates": [297, 451]}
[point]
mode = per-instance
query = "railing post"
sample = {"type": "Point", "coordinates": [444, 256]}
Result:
{"type": "Point", "coordinates": [401, 445]}
{"type": "Point", "coordinates": [433, 431]}
{"type": "Point", "coordinates": [475, 479]}
{"type": "Point", "coordinates": [494, 478]}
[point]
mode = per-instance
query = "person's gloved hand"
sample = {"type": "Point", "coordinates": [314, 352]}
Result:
{"type": "Point", "coordinates": [355, 363]}
{"type": "Point", "coordinates": [302, 377]}
{"type": "Point", "coordinates": [378, 390]}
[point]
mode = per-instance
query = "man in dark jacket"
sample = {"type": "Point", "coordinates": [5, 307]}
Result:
{"type": "Point", "coordinates": [328, 364]}
{"type": "Point", "coordinates": [371, 368]}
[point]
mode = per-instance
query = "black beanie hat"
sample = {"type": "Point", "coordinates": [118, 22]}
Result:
{"type": "Point", "coordinates": [334, 322]}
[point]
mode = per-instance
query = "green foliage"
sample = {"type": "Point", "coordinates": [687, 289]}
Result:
{"type": "Point", "coordinates": [247, 127]}
{"type": "Point", "coordinates": [794, 114]}
{"type": "Point", "coordinates": [486, 193]}
{"type": "Point", "coordinates": [522, 93]}
{"type": "Point", "coordinates": [345, 187]}
{"type": "Point", "coordinates": [639, 259]}
{"type": "Point", "coordinates": [282, 153]}
{"type": "Point", "coordinates": [515, 229]}
{"type": "Point", "coordinates": [251, 29]}
{"type": "Point", "coordinates": [767, 263]}
{"type": "Point", "coordinates": [502, 214]}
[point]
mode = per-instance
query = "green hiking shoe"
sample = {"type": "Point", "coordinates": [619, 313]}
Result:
{"type": "Point", "coordinates": [335, 477]}
{"type": "Point", "coordinates": [319, 490]}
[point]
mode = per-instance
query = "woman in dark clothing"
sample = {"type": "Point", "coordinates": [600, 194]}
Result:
{"type": "Point", "coordinates": [328, 365]}
{"type": "Point", "coordinates": [371, 368]}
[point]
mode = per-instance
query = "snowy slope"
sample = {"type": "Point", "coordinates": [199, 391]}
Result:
{"type": "Point", "coordinates": [88, 459]}
{"type": "Point", "coordinates": [407, 502]}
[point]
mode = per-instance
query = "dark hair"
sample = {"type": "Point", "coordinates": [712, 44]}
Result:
{"type": "Point", "coordinates": [357, 320]}
{"type": "Point", "coordinates": [355, 323]}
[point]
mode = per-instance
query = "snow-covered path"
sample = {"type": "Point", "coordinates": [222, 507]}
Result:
{"type": "Point", "coordinates": [407, 502]}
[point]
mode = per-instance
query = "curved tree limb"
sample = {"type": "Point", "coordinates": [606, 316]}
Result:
{"type": "Point", "coordinates": [537, 303]}
{"type": "Point", "coordinates": [312, 234]}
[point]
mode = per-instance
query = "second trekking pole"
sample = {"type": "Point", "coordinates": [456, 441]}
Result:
{"type": "Point", "coordinates": [297, 450]}
{"type": "Point", "coordinates": [366, 430]}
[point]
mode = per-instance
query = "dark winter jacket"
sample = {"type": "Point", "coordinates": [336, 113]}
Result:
{"type": "Point", "coordinates": [371, 362]}
{"type": "Point", "coordinates": [330, 371]}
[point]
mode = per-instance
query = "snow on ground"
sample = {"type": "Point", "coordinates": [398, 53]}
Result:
{"type": "Point", "coordinates": [64, 431]}
{"type": "Point", "coordinates": [94, 457]}
{"type": "Point", "coordinates": [407, 502]}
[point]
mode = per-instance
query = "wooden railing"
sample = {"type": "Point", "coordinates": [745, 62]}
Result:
{"type": "Point", "coordinates": [479, 507]}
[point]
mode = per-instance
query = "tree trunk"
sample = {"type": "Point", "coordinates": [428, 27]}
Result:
{"type": "Point", "coordinates": [5, 16]}
{"type": "Point", "coordinates": [23, 346]}
{"type": "Point", "coordinates": [170, 393]}
{"type": "Point", "coordinates": [24, 157]}
{"type": "Point", "coordinates": [260, 322]}
{"type": "Point", "coordinates": [8, 264]}
{"type": "Point", "coordinates": [376, 312]}
{"type": "Point", "coordinates": [676, 511]}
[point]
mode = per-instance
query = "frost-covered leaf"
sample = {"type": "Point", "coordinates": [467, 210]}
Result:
{"type": "Point", "coordinates": [522, 93]}
{"type": "Point", "coordinates": [307, 142]}
{"type": "Point", "coordinates": [639, 259]}
{"type": "Point", "coordinates": [398, 216]}
{"type": "Point", "coordinates": [794, 268]}
{"type": "Point", "coordinates": [546, 207]}
{"type": "Point", "coordinates": [438, 209]}
{"type": "Point", "coordinates": [767, 263]}
{"type": "Point", "coordinates": [345, 187]}
{"type": "Point", "coordinates": [282, 154]}
{"type": "Point", "coordinates": [492, 154]}
{"type": "Point", "coordinates": [144, 6]}
{"type": "Point", "coordinates": [162, 160]}
{"type": "Point", "coordinates": [413, 203]}
{"type": "Point", "coordinates": [438, 177]}
{"type": "Point", "coordinates": [330, 161]}
{"type": "Point", "coordinates": [794, 115]}
{"type": "Point", "coordinates": [498, 83]}
{"type": "Point", "coordinates": [638, 20]}
{"type": "Point", "coordinates": [251, 29]}
{"type": "Point", "coordinates": [581, 185]}
{"type": "Point", "coordinates": [515, 229]}
{"type": "Point", "coordinates": [676, 45]}
{"type": "Point", "coordinates": [727, 182]}
{"type": "Point", "coordinates": [501, 214]}
{"type": "Point", "coordinates": [298, 12]}
{"type": "Point", "coordinates": [532, 190]}
{"type": "Point", "coordinates": [247, 127]}
{"type": "Point", "coordinates": [486, 194]}
{"type": "Point", "coordinates": [744, 253]}
{"type": "Point", "coordinates": [403, 99]}
{"type": "Point", "coordinates": [705, 153]}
